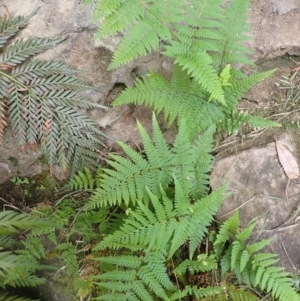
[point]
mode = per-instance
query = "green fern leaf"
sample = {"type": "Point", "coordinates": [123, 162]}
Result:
{"type": "Point", "coordinates": [228, 230]}
{"type": "Point", "coordinates": [129, 178]}
{"type": "Point", "coordinates": [141, 40]}
{"type": "Point", "coordinates": [254, 268]}
{"type": "Point", "coordinates": [12, 222]}
{"type": "Point", "coordinates": [150, 276]}
{"type": "Point", "coordinates": [117, 16]}
{"type": "Point", "coordinates": [127, 261]}
{"type": "Point", "coordinates": [206, 293]}
{"type": "Point", "coordinates": [169, 227]}
{"type": "Point", "coordinates": [84, 180]}
{"type": "Point", "coordinates": [203, 263]}
{"type": "Point", "coordinates": [235, 120]}
{"type": "Point", "coordinates": [199, 66]}
{"type": "Point", "coordinates": [240, 85]}
{"type": "Point", "coordinates": [239, 294]}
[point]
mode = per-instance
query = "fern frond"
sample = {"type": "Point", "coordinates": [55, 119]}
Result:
{"type": "Point", "coordinates": [15, 270]}
{"type": "Point", "coordinates": [233, 33]}
{"type": "Point", "coordinates": [148, 277]}
{"type": "Point", "coordinates": [85, 180]}
{"type": "Point", "coordinates": [203, 293]}
{"type": "Point", "coordinates": [152, 19]}
{"type": "Point", "coordinates": [227, 232]}
{"type": "Point", "coordinates": [20, 279]}
{"type": "Point", "coordinates": [12, 222]}
{"type": "Point", "coordinates": [199, 66]}
{"type": "Point", "coordinates": [240, 84]}
{"type": "Point", "coordinates": [235, 120]}
{"type": "Point", "coordinates": [9, 27]}
{"type": "Point", "coordinates": [128, 179]}
{"type": "Point", "coordinates": [35, 68]}
{"type": "Point", "coordinates": [184, 99]}
{"type": "Point", "coordinates": [141, 40]}
{"type": "Point", "coordinates": [21, 50]}
{"type": "Point", "coordinates": [203, 263]}
{"type": "Point", "coordinates": [254, 267]}
{"type": "Point", "coordinates": [118, 15]}
{"type": "Point", "coordinates": [169, 227]}
{"type": "Point", "coordinates": [239, 294]}
{"type": "Point", "coordinates": [181, 98]}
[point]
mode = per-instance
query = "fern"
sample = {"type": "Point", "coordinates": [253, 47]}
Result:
{"type": "Point", "coordinates": [9, 27]}
{"type": "Point", "coordinates": [157, 234]}
{"type": "Point", "coordinates": [17, 267]}
{"type": "Point", "coordinates": [220, 293]}
{"type": "Point", "coordinates": [127, 181]}
{"type": "Point", "coordinates": [85, 180]}
{"type": "Point", "coordinates": [182, 222]}
{"type": "Point", "coordinates": [182, 98]}
{"type": "Point", "coordinates": [235, 120]}
{"type": "Point", "coordinates": [205, 39]}
{"type": "Point", "coordinates": [251, 265]}
{"type": "Point", "coordinates": [12, 222]}
{"type": "Point", "coordinates": [40, 100]}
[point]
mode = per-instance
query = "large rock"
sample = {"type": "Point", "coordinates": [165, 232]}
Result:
{"type": "Point", "coordinates": [17, 162]}
{"type": "Point", "coordinates": [274, 24]}
{"type": "Point", "coordinates": [261, 192]}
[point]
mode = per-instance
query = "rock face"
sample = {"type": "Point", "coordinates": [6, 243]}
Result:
{"type": "Point", "coordinates": [14, 162]}
{"type": "Point", "coordinates": [273, 24]}
{"type": "Point", "coordinates": [262, 193]}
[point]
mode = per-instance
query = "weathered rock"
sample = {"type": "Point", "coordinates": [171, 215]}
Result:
{"type": "Point", "coordinates": [273, 24]}
{"type": "Point", "coordinates": [261, 192]}
{"type": "Point", "coordinates": [15, 162]}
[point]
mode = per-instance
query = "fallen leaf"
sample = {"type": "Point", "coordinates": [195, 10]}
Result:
{"type": "Point", "coordinates": [287, 161]}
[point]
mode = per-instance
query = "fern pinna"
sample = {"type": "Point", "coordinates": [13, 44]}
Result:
{"type": "Point", "coordinates": [40, 99]}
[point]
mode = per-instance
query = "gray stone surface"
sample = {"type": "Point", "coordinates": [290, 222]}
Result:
{"type": "Point", "coordinates": [274, 26]}
{"type": "Point", "coordinates": [15, 162]}
{"type": "Point", "coordinates": [262, 193]}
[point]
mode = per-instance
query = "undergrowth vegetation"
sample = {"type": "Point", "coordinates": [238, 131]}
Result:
{"type": "Point", "coordinates": [144, 228]}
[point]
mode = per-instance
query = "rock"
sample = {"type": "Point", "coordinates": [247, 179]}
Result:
{"type": "Point", "coordinates": [273, 25]}
{"type": "Point", "coordinates": [262, 193]}
{"type": "Point", "coordinates": [17, 162]}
